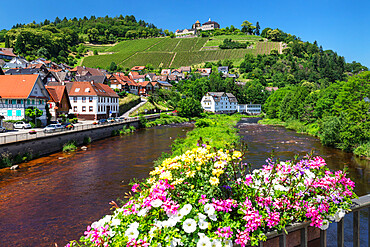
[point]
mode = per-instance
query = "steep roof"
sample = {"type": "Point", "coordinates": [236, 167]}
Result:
{"type": "Point", "coordinates": [122, 79]}
{"type": "Point", "coordinates": [231, 97]}
{"type": "Point", "coordinates": [17, 86]}
{"type": "Point", "coordinates": [84, 88]}
{"type": "Point", "coordinates": [85, 71]}
{"type": "Point", "coordinates": [7, 52]}
{"type": "Point", "coordinates": [56, 92]}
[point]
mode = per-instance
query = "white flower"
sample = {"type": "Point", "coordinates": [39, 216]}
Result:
{"type": "Point", "coordinates": [203, 224]}
{"type": "Point", "coordinates": [204, 242]}
{"type": "Point", "coordinates": [132, 233]}
{"type": "Point", "coordinates": [339, 215]}
{"type": "Point", "coordinates": [213, 217]}
{"type": "Point", "coordinates": [228, 243]}
{"type": "Point", "coordinates": [143, 212]}
{"type": "Point", "coordinates": [115, 222]}
{"type": "Point", "coordinates": [156, 203]}
{"type": "Point", "coordinates": [175, 242]}
{"type": "Point", "coordinates": [325, 225]}
{"type": "Point", "coordinates": [209, 209]}
{"type": "Point", "coordinates": [101, 222]}
{"type": "Point", "coordinates": [309, 174]}
{"type": "Point", "coordinates": [134, 225]}
{"type": "Point", "coordinates": [216, 243]}
{"type": "Point", "coordinates": [280, 187]}
{"type": "Point", "coordinates": [202, 235]}
{"type": "Point", "coordinates": [186, 209]}
{"type": "Point", "coordinates": [189, 225]}
{"type": "Point", "coordinates": [202, 216]}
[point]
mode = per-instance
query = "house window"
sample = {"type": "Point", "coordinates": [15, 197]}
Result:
{"type": "Point", "coordinates": [40, 101]}
{"type": "Point", "coordinates": [10, 113]}
{"type": "Point", "coordinates": [33, 102]}
{"type": "Point", "coordinates": [14, 101]}
{"type": "Point", "coordinates": [18, 113]}
{"type": "Point", "coordinates": [75, 108]}
{"type": "Point", "coordinates": [84, 108]}
{"type": "Point", "coordinates": [19, 101]}
{"type": "Point", "coordinates": [83, 99]}
{"type": "Point", "coordinates": [28, 102]}
{"type": "Point", "coordinates": [90, 99]}
{"type": "Point", "coordinates": [90, 108]}
{"type": "Point", "coordinates": [6, 101]}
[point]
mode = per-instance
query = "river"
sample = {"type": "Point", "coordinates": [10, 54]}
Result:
{"type": "Point", "coordinates": [52, 199]}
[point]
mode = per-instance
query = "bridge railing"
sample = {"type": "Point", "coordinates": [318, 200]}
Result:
{"type": "Point", "coordinates": [302, 234]}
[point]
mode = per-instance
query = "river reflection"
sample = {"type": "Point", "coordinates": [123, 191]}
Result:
{"type": "Point", "coordinates": [52, 199]}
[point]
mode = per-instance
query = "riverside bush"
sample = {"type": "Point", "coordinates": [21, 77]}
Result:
{"type": "Point", "coordinates": [69, 146]}
{"type": "Point", "coordinates": [208, 197]}
{"type": "Point", "coordinates": [363, 150]}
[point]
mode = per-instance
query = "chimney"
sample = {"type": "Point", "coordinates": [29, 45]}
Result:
{"type": "Point", "coordinates": [92, 82]}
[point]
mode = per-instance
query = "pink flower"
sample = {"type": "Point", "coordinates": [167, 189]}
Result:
{"type": "Point", "coordinates": [224, 232]}
{"type": "Point", "coordinates": [135, 188]}
{"type": "Point", "coordinates": [203, 199]}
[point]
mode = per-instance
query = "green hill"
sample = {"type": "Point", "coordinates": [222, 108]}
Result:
{"type": "Point", "coordinates": [167, 52]}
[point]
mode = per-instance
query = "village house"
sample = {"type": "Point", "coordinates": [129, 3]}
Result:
{"type": "Point", "coordinates": [19, 92]}
{"type": "Point", "coordinates": [219, 102]}
{"type": "Point", "coordinates": [123, 83]}
{"type": "Point", "coordinates": [82, 73]}
{"type": "Point", "coordinates": [17, 62]}
{"type": "Point", "coordinates": [166, 72]}
{"type": "Point", "coordinates": [93, 101]}
{"type": "Point", "coordinates": [223, 69]}
{"type": "Point", "coordinates": [185, 69]}
{"type": "Point", "coordinates": [37, 69]}
{"type": "Point", "coordinates": [7, 53]}
{"type": "Point", "coordinates": [59, 103]}
{"type": "Point", "coordinates": [250, 109]}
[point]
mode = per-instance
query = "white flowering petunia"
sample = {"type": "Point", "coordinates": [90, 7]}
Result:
{"type": "Point", "coordinates": [189, 225]}
{"type": "Point", "coordinates": [202, 216]}
{"type": "Point", "coordinates": [203, 224]}
{"type": "Point", "coordinates": [156, 203]}
{"type": "Point", "coordinates": [186, 209]}
{"type": "Point", "coordinates": [204, 242]}
{"type": "Point", "coordinates": [213, 217]}
{"type": "Point", "coordinates": [216, 243]}
{"type": "Point", "coordinates": [134, 225]}
{"type": "Point", "coordinates": [339, 215]}
{"type": "Point", "coordinates": [142, 212]}
{"type": "Point", "coordinates": [115, 222]}
{"type": "Point", "coordinates": [325, 225]}
{"type": "Point", "coordinates": [209, 209]}
{"type": "Point", "coordinates": [228, 243]}
{"type": "Point", "coordinates": [132, 233]}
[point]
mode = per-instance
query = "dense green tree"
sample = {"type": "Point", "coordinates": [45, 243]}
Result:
{"type": "Point", "coordinates": [257, 30]}
{"type": "Point", "coordinates": [189, 108]}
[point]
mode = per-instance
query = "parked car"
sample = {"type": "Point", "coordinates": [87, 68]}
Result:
{"type": "Point", "coordinates": [121, 119]}
{"type": "Point", "coordinates": [2, 129]}
{"type": "Point", "coordinates": [111, 120]}
{"type": "Point", "coordinates": [68, 126]}
{"type": "Point", "coordinates": [53, 128]}
{"type": "Point", "coordinates": [22, 125]}
{"type": "Point", "coordinates": [102, 121]}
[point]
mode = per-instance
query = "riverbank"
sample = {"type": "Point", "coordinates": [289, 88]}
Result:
{"type": "Point", "coordinates": [313, 129]}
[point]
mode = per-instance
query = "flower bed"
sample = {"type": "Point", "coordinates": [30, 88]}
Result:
{"type": "Point", "coordinates": [208, 197]}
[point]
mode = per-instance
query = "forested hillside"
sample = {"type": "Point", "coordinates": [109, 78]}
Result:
{"type": "Point", "coordinates": [57, 39]}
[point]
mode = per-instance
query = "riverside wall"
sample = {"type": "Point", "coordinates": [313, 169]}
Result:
{"type": "Point", "coordinates": [54, 142]}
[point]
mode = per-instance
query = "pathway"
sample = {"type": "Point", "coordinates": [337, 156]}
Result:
{"type": "Point", "coordinates": [126, 114]}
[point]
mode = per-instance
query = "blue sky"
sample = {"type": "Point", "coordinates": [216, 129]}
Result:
{"type": "Point", "coordinates": [342, 25]}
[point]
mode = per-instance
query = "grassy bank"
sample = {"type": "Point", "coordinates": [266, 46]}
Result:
{"type": "Point", "coordinates": [218, 130]}
{"type": "Point", "coordinates": [150, 107]}
{"type": "Point", "coordinates": [313, 129]}
{"type": "Point", "coordinates": [165, 119]}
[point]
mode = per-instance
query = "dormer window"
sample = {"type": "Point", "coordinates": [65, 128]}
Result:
{"type": "Point", "coordinates": [77, 90]}
{"type": "Point", "coordinates": [87, 90]}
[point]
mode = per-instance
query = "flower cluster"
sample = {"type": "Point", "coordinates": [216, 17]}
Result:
{"type": "Point", "coordinates": [205, 198]}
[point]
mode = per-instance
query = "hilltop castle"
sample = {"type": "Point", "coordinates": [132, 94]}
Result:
{"type": "Point", "coordinates": [209, 25]}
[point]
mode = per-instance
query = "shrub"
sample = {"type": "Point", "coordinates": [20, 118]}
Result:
{"type": "Point", "coordinates": [363, 150]}
{"type": "Point", "coordinates": [69, 146]}
{"type": "Point", "coordinates": [201, 123]}
{"type": "Point", "coordinates": [87, 140]}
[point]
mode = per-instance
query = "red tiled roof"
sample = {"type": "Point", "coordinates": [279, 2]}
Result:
{"type": "Point", "coordinates": [134, 73]}
{"type": "Point", "coordinates": [122, 79]}
{"type": "Point", "coordinates": [56, 92]}
{"type": "Point", "coordinates": [17, 86]}
{"type": "Point", "coordinates": [7, 52]}
{"type": "Point", "coordinates": [84, 70]}
{"type": "Point", "coordinates": [85, 88]}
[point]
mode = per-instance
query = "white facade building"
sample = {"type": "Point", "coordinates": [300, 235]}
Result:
{"type": "Point", "coordinates": [219, 102]}
{"type": "Point", "coordinates": [252, 109]}
{"type": "Point", "coordinates": [93, 100]}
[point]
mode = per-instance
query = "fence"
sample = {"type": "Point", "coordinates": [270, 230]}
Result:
{"type": "Point", "coordinates": [302, 229]}
{"type": "Point", "coordinates": [11, 138]}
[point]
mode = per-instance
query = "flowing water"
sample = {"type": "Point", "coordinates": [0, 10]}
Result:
{"type": "Point", "coordinates": [52, 199]}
